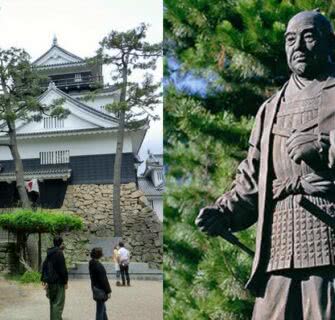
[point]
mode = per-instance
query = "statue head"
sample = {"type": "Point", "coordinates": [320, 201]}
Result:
{"type": "Point", "coordinates": [309, 42]}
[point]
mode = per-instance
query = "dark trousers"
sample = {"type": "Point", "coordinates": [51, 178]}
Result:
{"type": "Point", "coordinates": [301, 295]}
{"type": "Point", "coordinates": [101, 311]}
{"type": "Point", "coordinates": [124, 273]}
{"type": "Point", "coordinates": [56, 295]}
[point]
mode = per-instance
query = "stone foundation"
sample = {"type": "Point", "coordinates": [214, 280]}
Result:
{"type": "Point", "coordinates": [142, 230]}
{"type": "Point", "coordinates": [9, 262]}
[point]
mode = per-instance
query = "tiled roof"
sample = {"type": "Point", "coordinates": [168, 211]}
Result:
{"type": "Point", "coordinates": [80, 104]}
{"type": "Point", "coordinates": [148, 188]}
{"type": "Point", "coordinates": [48, 173]}
{"type": "Point", "coordinates": [141, 124]}
{"type": "Point", "coordinates": [108, 89]}
{"type": "Point", "coordinates": [155, 159]}
{"type": "Point", "coordinates": [153, 162]}
{"type": "Point", "coordinates": [64, 64]}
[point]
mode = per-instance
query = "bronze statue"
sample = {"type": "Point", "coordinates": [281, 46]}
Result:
{"type": "Point", "coordinates": [286, 184]}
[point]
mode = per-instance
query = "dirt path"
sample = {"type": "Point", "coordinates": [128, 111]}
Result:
{"type": "Point", "coordinates": [142, 301]}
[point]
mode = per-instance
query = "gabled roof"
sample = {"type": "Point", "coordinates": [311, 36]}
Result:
{"type": "Point", "coordinates": [146, 185]}
{"type": "Point", "coordinates": [154, 162]}
{"type": "Point", "coordinates": [146, 182]}
{"type": "Point", "coordinates": [94, 118]}
{"type": "Point", "coordinates": [85, 120]}
{"type": "Point", "coordinates": [80, 104]}
{"type": "Point", "coordinates": [56, 56]}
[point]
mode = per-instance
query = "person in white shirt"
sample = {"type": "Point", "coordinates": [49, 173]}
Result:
{"type": "Point", "coordinates": [123, 258]}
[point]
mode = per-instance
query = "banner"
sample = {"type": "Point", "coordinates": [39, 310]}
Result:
{"type": "Point", "coordinates": [32, 185]}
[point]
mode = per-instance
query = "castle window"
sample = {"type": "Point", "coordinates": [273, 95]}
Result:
{"type": "Point", "coordinates": [55, 157]}
{"type": "Point", "coordinates": [77, 77]}
{"type": "Point", "coordinates": [53, 123]}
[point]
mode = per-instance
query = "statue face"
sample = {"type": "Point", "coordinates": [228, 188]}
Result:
{"type": "Point", "coordinates": [306, 46]}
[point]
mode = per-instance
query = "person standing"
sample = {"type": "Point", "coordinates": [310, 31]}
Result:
{"type": "Point", "coordinates": [124, 258]}
{"type": "Point", "coordinates": [116, 264]}
{"type": "Point", "coordinates": [55, 278]}
{"type": "Point", "coordinates": [100, 284]}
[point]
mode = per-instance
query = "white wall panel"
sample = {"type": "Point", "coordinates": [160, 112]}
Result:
{"type": "Point", "coordinates": [78, 145]}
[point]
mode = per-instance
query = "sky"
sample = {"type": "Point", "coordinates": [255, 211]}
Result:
{"type": "Point", "coordinates": [79, 25]}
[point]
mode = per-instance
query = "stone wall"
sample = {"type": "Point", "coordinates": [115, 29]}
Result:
{"type": "Point", "coordinates": [8, 257]}
{"type": "Point", "coordinates": [142, 230]}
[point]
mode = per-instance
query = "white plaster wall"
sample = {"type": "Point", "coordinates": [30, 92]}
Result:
{"type": "Point", "coordinates": [154, 177]}
{"type": "Point", "coordinates": [158, 208]}
{"type": "Point", "coordinates": [71, 122]}
{"type": "Point", "coordinates": [77, 111]}
{"type": "Point", "coordinates": [99, 101]}
{"type": "Point", "coordinates": [78, 145]}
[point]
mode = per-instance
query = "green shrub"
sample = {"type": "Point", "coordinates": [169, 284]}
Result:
{"type": "Point", "coordinates": [30, 277]}
{"type": "Point", "coordinates": [41, 221]}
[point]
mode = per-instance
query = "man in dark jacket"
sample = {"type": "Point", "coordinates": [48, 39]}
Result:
{"type": "Point", "coordinates": [55, 278]}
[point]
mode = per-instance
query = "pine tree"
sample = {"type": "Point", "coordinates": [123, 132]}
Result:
{"type": "Point", "coordinates": [20, 86]}
{"type": "Point", "coordinates": [128, 51]}
{"type": "Point", "coordinates": [235, 49]}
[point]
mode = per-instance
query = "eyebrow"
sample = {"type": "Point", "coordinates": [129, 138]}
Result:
{"type": "Point", "coordinates": [309, 28]}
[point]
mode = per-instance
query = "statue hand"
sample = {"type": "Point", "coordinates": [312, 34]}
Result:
{"type": "Point", "coordinates": [303, 146]}
{"type": "Point", "coordinates": [212, 220]}
{"type": "Point", "coordinates": [331, 153]}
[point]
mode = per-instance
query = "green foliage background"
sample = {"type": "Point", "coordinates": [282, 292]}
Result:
{"type": "Point", "coordinates": [236, 49]}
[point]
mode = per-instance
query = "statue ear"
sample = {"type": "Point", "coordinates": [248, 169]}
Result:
{"type": "Point", "coordinates": [317, 10]}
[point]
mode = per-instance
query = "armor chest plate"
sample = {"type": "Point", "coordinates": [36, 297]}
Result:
{"type": "Point", "coordinates": [290, 117]}
{"type": "Point", "coordinates": [298, 238]}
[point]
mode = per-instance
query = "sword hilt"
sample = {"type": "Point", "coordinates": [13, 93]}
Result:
{"type": "Point", "coordinates": [228, 236]}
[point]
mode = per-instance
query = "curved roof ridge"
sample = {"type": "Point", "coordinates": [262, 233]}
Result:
{"type": "Point", "coordinates": [80, 104]}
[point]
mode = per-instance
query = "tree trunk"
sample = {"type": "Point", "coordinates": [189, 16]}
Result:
{"type": "Point", "coordinates": [39, 252]}
{"type": "Point", "coordinates": [118, 160]}
{"type": "Point", "coordinates": [15, 152]}
{"type": "Point", "coordinates": [21, 243]}
{"type": "Point", "coordinates": [19, 174]}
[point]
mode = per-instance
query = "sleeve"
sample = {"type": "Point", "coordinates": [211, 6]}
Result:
{"type": "Point", "coordinates": [241, 202]}
{"type": "Point", "coordinates": [103, 280]}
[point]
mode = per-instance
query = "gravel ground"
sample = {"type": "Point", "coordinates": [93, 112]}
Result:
{"type": "Point", "coordinates": [142, 301]}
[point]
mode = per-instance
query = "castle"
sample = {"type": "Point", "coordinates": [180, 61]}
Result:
{"type": "Point", "coordinates": [73, 158]}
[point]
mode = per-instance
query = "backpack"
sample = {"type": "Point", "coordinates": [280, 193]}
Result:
{"type": "Point", "coordinates": [49, 274]}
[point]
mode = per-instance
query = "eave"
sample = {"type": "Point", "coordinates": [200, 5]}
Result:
{"type": "Point", "coordinates": [48, 174]}
{"type": "Point", "coordinates": [61, 133]}
{"type": "Point", "coordinates": [78, 103]}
